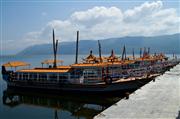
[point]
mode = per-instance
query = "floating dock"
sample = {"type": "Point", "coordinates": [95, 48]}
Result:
{"type": "Point", "coordinates": [159, 99]}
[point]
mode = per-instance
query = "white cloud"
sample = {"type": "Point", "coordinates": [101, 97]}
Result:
{"type": "Point", "coordinates": [96, 15]}
{"type": "Point", "coordinates": [143, 11]}
{"type": "Point", "coordinates": [100, 22]}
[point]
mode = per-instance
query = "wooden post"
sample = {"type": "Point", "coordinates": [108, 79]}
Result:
{"type": "Point", "coordinates": [140, 54]}
{"type": "Point", "coordinates": [133, 54]}
{"type": "Point", "coordinates": [124, 53]}
{"type": "Point", "coordinates": [148, 50]}
{"type": "Point", "coordinates": [54, 49]}
{"type": "Point", "coordinates": [77, 47]}
{"type": "Point", "coordinates": [99, 51]}
{"type": "Point", "coordinates": [56, 54]}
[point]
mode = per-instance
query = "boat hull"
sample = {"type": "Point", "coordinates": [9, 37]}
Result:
{"type": "Point", "coordinates": [119, 87]}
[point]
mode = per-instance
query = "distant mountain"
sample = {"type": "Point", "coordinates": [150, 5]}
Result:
{"type": "Point", "coordinates": [165, 43]}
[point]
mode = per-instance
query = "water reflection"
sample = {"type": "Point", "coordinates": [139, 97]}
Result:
{"type": "Point", "coordinates": [78, 106]}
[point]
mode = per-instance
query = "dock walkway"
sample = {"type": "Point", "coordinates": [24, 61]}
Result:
{"type": "Point", "coordinates": [159, 99]}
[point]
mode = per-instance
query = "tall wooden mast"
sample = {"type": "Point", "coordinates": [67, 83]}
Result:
{"type": "Point", "coordinates": [140, 53]}
{"type": "Point", "coordinates": [144, 52]}
{"type": "Point", "coordinates": [99, 45]}
{"type": "Point", "coordinates": [133, 54]}
{"type": "Point", "coordinates": [148, 50]}
{"type": "Point", "coordinates": [124, 53]}
{"type": "Point", "coordinates": [77, 47]}
{"type": "Point", "coordinates": [55, 45]}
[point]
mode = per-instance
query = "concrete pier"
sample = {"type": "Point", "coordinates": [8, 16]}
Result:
{"type": "Point", "coordinates": [159, 99]}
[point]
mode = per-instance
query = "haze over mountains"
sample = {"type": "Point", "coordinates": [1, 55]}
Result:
{"type": "Point", "coordinates": [165, 44]}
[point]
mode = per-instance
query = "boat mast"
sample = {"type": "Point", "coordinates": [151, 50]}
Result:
{"type": "Point", "coordinates": [133, 54]}
{"type": "Point", "coordinates": [99, 51]}
{"type": "Point", "coordinates": [144, 53]}
{"type": "Point", "coordinates": [77, 47]}
{"type": "Point", "coordinates": [148, 50]}
{"type": "Point", "coordinates": [140, 52]}
{"type": "Point", "coordinates": [55, 45]}
{"type": "Point", "coordinates": [124, 53]}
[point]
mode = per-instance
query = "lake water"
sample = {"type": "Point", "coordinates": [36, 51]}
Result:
{"type": "Point", "coordinates": [18, 105]}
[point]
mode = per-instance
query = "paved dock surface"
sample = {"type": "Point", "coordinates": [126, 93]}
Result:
{"type": "Point", "coordinates": [159, 99]}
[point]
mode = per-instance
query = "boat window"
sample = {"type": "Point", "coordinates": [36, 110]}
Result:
{"type": "Point", "coordinates": [113, 68]}
{"type": "Point", "coordinates": [77, 72]}
{"type": "Point", "coordinates": [42, 76]}
{"type": "Point", "coordinates": [25, 76]}
{"type": "Point", "coordinates": [15, 76]}
{"type": "Point", "coordinates": [63, 76]}
{"type": "Point", "coordinates": [53, 76]}
{"type": "Point", "coordinates": [132, 66]}
{"type": "Point", "coordinates": [124, 66]}
{"type": "Point", "coordinates": [92, 73]}
{"type": "Point", "coordinates": [33, 75]}
{"type": "Point", "coordinates": [136, 65]}
{"type": "Point", "coordinates": [20, 76]}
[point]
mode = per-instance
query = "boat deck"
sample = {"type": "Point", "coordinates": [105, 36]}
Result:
{"type": "Point", "coordinates": [131, 78]}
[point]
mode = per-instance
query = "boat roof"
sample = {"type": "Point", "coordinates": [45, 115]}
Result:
{"type": "Point", "coordinates": [151, 58]}
{"type": "Point", "coordinates": [59, 69]}
{"type": "Point", "coordinates": [44, 70]}
{"type": "Point", "coordinates": [103, 64]}
{"type": "Point", "coordinates": [63, 67]}
{"type": "Point", "coordinates": [145, 59]}
{"type": "Point", "coordinates": [16, 64]}
{"type": "Point", "coordinates": [88, 65]}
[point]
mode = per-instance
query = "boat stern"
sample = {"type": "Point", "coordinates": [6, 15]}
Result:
{"type": "Point", "coordinates": [5, 74]}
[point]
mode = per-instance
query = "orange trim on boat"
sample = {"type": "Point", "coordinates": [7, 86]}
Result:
{"type": "Point", "coordinates": [43, 71]}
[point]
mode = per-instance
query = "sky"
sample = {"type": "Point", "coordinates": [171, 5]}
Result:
{"type": "Point", "coordinates": [30, 22]}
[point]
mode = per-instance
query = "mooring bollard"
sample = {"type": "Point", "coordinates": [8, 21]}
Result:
{"type": "Point", "coordinates": [127, 95]}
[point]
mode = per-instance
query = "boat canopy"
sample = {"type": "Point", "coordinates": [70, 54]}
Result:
{"type": "Point", "coordinates": [112, 57]}
{"type": "Point", "coordinates": [16, 64]}
{"type": "Point", "coordinates": [91, 58]}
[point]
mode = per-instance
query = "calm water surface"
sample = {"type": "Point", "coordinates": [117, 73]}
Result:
{"type": "Point", "coordinates": [31, 105]}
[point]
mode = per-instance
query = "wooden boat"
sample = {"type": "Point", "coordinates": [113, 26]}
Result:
{"type": "Point", "coordinates": [92, 75]}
